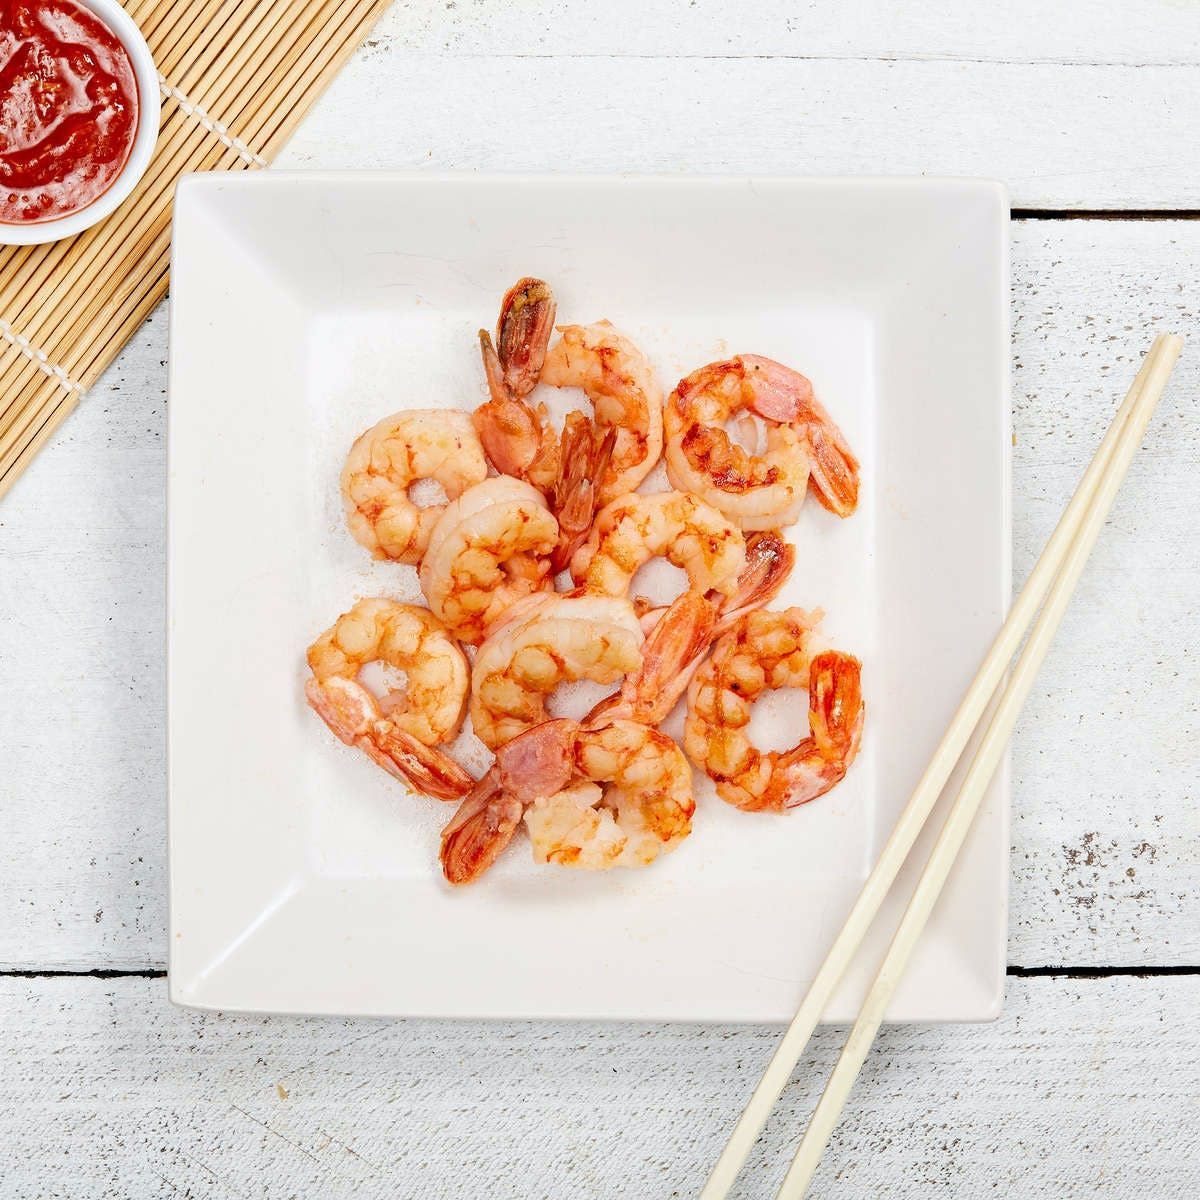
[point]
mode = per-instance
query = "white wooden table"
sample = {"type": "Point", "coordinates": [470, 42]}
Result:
{"type": "Point", "coordinates": [1089, 1085]}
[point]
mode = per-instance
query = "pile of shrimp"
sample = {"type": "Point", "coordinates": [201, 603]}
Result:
{"type": "Point", "coordinates": [527, 571]}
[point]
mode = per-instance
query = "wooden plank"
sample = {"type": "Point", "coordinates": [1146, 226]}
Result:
{"type": "Point", "coordinates": [1105, 866]}
{"type": "Point", "coordinates": [82, 593]}
{"type": "Point", "coordinates": [1091, 134]}
{"type": "Point", "coordinates": [1084, 1088]}
{"type": "Point", "coordinates": [1075, 31]}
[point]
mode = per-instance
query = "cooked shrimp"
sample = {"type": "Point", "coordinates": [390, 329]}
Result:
{"type": "Point", "coordinates": [595, 460]}
{"type": "Point", "coordinates": [538, 763]}
{"type": "Point", "coordinates": [672, 652]}
{"type": "Point", "coordinates": [615, 796]}
{"type": "Point", "coordinates": [431, 704]}
{"type": "Point", "coordinates": [633, 803]}
{"type": "Point", "coordinates": [767, 650]}
{"type": "Point", "coordinates": [680, 635]}
{"type": "Point", "coordinates": [804, 447]}
{"type": "Point", "coordinates": [559, 640]}
{"type": "Point", "coordinates": [388, 459]}
{"type": "Point", "coordinates": [620, 382]}
{"type": "Point", "coordinates": [400, 730]}
{"type": "Point", "coordinates": [688, 533]}
{"type": "Point", "coordinates": [490, 548]}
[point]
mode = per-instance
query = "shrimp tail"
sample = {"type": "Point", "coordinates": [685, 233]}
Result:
{"type": "Point", "coordinates": [493, 370]}
{"type": "Point", "coordinates": [479, 831]}
{"type": "Point", "coordinates": [787, 396]}
{"type": "Point", "coordinates": [583, 462]}
{"type": "Point", "coordinates": [523, 334]}
{"type": "Point", "coordinates": [516, 437]}
{"type": "Point", "coordinates": [835, 702]}
{"type": "Point", "coordinates": [671, 654]}
{"type": "Point", "coordinates": [675, 648]}
{"type": "Point", "coordinates": [836, 714]}
{"type": "Point", "coordinates": [780, 394]}
{"type": "Point", "coordinates": [351, 713]}
{"type": "Point", "coordinates": [769, 562]}
{"type": "Point", "coordinates": [833, 477]}
{"type": "Point", "coordinates": [424, 768]}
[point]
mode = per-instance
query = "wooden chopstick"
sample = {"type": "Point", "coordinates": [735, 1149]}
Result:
{"type": "Point", "coordinates": [1056, 573]}
{"type": "Point", "coordinates": [983, 767]}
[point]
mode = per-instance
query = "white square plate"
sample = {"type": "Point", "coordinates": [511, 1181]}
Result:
{"type": "Point", "coordinates": [304, 308]}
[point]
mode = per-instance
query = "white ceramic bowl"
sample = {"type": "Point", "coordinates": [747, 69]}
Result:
{"type": "Point", "coordinates": [130, 36]}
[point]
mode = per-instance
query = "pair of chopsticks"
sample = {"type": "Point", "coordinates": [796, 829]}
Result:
{"type": "Point", "coordinates": [1052, 580]}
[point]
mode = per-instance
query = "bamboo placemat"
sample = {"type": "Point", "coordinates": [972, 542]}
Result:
{"type": "Point", "coordinates": [236, 77]}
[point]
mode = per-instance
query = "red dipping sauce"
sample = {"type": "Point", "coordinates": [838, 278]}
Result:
{"type": "Point", "coordinates": [68, 109]}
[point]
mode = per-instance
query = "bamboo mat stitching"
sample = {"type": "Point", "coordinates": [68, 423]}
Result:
{"type": "Point", "coordinates": [38, 357]}
{"type": "Point", "coordinates": [215, 127]}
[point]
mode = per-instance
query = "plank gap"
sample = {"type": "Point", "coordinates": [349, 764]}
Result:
{"type": "Point", "coordinates": [97, 973]}
{"type": "Point", "coordinates": [1104, 214]}
{"type": "Point", "coordinates": [1055, 972]}
{"type": "Point", "coordinates": [1100, 972]}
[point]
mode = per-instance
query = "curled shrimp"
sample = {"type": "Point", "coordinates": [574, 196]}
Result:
{"type": "Point", "coordinates": [616, 795]}
{"type": "Point", "coordinates": [388, 459]}
{"type": "Point", "coordinates": [687, 532]}
{"type": "Point", "coordinates": [632, 804]}
{"type": "Point", "coordinates": [490, 548]}
{"type": "Point", "coordinates": [612, 372]}
{"type": "Point", "coordinates": [804, 447]}
{"type": "Point", "coordinates": [550, 641]}
{"type": "Point", "coordinates": [401, 730]}
{"type": "Point", "coordinates": [518, 438]}
{"type": "Point", "coordinates": [767, 650]}
{"type": "Point", "coordinates": [620, 382]}
{"type": "Point", "coordinates": [681, 634]}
